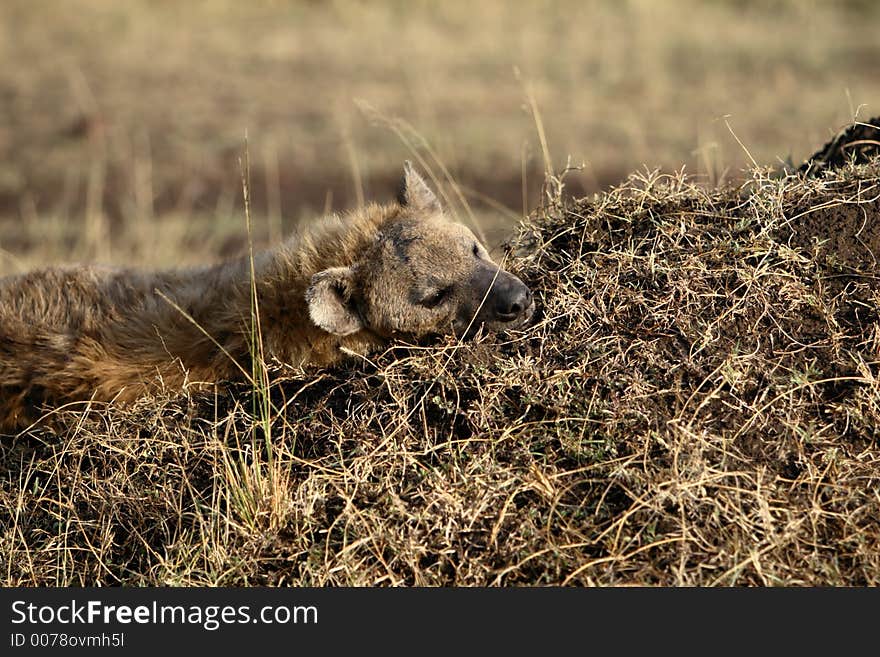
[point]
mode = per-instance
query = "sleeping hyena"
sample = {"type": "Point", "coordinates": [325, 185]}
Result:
{"type": "Point", "coordinates": [344, 285]}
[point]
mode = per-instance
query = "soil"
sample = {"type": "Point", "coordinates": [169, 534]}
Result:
{"type": "Point", "coordinates": [844, 234]}
{"type": "Point", "coordinates": [841, 232]}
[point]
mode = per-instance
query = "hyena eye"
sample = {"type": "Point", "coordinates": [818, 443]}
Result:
{"type": "Point", "coordinates": [435, 299]}
{"type": "Point", "coordinates": [476, 249]}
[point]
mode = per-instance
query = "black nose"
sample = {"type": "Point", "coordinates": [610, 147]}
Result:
{"type": "Point", "coordinates": [511, 305]}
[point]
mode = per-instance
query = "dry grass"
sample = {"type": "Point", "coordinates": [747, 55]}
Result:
{"type": "Point", "coordinates": [697, 404]}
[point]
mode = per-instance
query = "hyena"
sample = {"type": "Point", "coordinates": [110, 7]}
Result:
{"type": "Point", "coordinates": [341, 286]}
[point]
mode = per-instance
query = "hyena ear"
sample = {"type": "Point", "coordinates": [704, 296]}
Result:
{"type": "Point", "coordinates": [414, 192]}
{"type": "Point", "coordinates": [329, 298]}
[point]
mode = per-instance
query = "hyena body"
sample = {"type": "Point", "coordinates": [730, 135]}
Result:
{"type": "Point", "coordinates": [344, 285]}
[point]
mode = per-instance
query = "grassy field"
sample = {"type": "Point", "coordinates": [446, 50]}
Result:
{"type": "Point", "coordinates": [121, 124]}
{"type": "Point", "coordinates": [696, 403]}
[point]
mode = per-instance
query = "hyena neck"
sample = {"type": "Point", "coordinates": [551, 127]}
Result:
{"type": "Point", "coordinates": [209, 321]}
{"type": "Point", "coordinates": [284, 273]}
{"type": "Point", "coordinates": [334, 241]}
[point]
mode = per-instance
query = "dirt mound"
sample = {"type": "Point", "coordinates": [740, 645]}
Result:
{"type": "Point", "coordinates": [843, 233]}
{"type": "Point", "coordinates": [697, 404]}
{"type": "Point", "coordinates": [857, 144]}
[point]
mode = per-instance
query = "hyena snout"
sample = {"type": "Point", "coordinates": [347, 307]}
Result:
{"type": "Point", "coordinates": [512, 300]}
{"type": "Point", "coordinates": [506, 301]}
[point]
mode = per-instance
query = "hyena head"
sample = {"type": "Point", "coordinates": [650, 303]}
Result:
{"type": "Point", "coordinates": [423, 274]}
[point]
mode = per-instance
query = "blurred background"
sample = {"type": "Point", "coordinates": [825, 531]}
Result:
{"type": "Point", "coordinates": [123, 124]}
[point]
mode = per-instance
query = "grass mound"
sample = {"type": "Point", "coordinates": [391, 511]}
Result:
{"type": "Point", "coordinates": [696, 404]}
